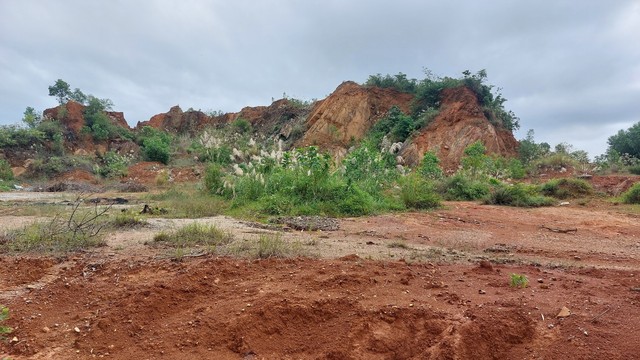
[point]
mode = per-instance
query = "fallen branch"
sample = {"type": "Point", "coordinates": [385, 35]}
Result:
{"type": "Point", "coordinates": [559, 230]}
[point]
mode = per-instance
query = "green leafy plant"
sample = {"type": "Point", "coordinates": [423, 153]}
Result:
{"type": "Point", "coordinates": [4, 315]}
{"type": "Point", "coordinates": [418, 193]}
{"type": "Point", "coordinates": [518, 281]}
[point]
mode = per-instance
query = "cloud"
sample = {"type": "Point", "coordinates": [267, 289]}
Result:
{"type": "Point", "coordinates": [570, 70]}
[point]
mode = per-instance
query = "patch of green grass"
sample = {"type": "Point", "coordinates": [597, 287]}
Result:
{"type": "Point", "coordinates": [195, 234]}
{"type": "Point", "coordinates": [128, 219]}
{"type": "Point", "coordinates": [272, 245]}
{"type": "Point", "coordinates": [518, 281]}
{"type": "Point", "coordinates": [189, 204]}
{"type": "Point", "coordinates": [50, 236]}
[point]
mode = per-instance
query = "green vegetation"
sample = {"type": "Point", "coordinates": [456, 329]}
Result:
{"type": "Point", "coordinates": [519, 195]}
{"type": "Point", "coordinates": [627, 141]}
{"type": "Point", "coordinates": [128, 219]}
{"type": "Point", "coordinates": [428, 91]}
{"type": "Point", "coordinates": [112, 165]}
{"type": "Point", "coordinates": [5, 171]}
{"type": "Point", "coordinates": [4, 315]}
{"type": "Point", "coordinates": [205, 237]}
{"type": "Point", "coordinates": [566, 188]}
{"type": "Point", "coordinates": [156, 144]}
{"type": "Point", "coordinates": [269, 246]}
{"type": "Point", "coordinates": [419, 193]}
{"type": "Point", "coordinates": [632, 196]}
{"type": "Point", "coordinates": [518, 281]}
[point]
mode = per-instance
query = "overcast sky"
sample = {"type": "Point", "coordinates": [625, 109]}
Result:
{"type": "Point", "coordinates": [569, 69]}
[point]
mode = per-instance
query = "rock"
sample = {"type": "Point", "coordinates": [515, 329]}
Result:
{"type": "Point", "coordinates": [76, 329]}
{"type": "Point", "coordinates": [564, 312]}
{"type": "Point", "coordinates": [564, 203]}
{"type": "Point", "coordinates": [18, 171]}
{"type": "Point", "coordinates": [45, 330]}
{"type": "Point", "coordinates": [482, 292]}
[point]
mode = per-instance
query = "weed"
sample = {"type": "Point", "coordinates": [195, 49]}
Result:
{"type": "Point", "coordinates": [128, 219]}
{"type": "Point", "coordinates": [195, 234]}
{"type": "Point", "coordinates": [272, 246]}
{"type": "Point", "coordinates": [518, 281]}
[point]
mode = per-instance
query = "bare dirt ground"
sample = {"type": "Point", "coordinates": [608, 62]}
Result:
{"type": "Point", "coordinates": [432, 285]}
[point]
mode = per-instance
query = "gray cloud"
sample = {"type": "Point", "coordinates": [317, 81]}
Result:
{"type": "Point", "coordinates": [571, 70]}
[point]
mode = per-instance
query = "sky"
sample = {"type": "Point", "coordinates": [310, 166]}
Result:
{"type": "Point", "coordinates": [569, 69]}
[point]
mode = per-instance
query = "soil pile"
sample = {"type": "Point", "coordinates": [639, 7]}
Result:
{"type": "Point", "coordinates": [460, 123]}
{"type": "Point", "coordinates": [348, 114]}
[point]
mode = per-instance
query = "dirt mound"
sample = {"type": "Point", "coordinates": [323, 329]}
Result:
{"type": "Point", "coordinates": [348, 114]}
{"type": "Point", "coordinates": [78, 175]}
{"type": "Point", "coordinates": [460, 123]}
{"type": "Point", "coordinates": [614, 184]}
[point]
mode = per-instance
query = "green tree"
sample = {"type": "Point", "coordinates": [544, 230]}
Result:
{"type": "Point", "coordinates": [31, 118]}
{"type": "Point", "coordinates": [474, 159]}
{"type": "Point", "coordinates": [430, 166]}
{"type": "Point", "coordinates": [61, 90]}
{"type": "Point", "coordinates": [627, 141]}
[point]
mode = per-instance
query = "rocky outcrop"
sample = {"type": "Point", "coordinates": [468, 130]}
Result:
{"type": "Point", "coordinates": [348, 114]}
{"type": "Point", "coordinates": [460, 123]}
{"type": "Point", "coordinates": [178, 122]}
{"type": "Point", "coordinates": [71, 116]}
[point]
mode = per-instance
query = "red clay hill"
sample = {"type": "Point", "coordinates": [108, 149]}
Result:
{"type": "Point", "coordinates": [334, 123]}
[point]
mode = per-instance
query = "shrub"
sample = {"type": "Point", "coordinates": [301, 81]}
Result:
{"type": "Point", "coordinates": [430, 166]}
{"type": "Point", "coordinates": [354, 201]}
{"type": "Point", "coordinates": [518, 281]}
{"type": "Point", "coordinates": [459, 187]}
{"type": "Point", "coordinates": [632, 196]}
{"type": "Point", "coordinates": [195, 234]}
{"type": "Point", "coordinates": [241, 126]}
{"type": "Point", "coordinates": [113, 165]}
{"type": "Point", "coordinates": [156, 149]}
{"type": "Point", "coordinates": [214, 179]}
{"type": "Point", "coordinates": [518, 195]}
{"type": "Point", "coordinates": [6, 173]}
{"type": "Point", "coordinates": [418, 193]}
{"type": "Point", "coordinates": [566, 188]}
{"type": "Point", "coordinates": [634, 169]}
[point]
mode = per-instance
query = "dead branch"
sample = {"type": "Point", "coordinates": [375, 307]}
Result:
{"type": "Point", "coordinates": [560, 230]}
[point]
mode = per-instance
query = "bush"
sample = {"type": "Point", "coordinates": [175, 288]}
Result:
{"type": "Point", "coordinates": [518, 195]}
{"type": "Point", "coordinates": [113, 165]}
{"type": "Point", "coordinates": [214, 179]}
{"type": "Point", "coordinates": [632, 196]}
{"type": "Point", "coordinates": [418, 193]}
{"type": "Point", "coordinates": [6, 173]}
{"type": "Point", "coordinates": [566, 188]}
{"type": "Point", "coordinates": [156, 149]}
{"type": "Point", "coordinates": [635, 169]}
{"type": "Point", "coordinates": [430, 166]}
{"type": "Point", "coordinates": [460, 188]}
{"type": "Point", "coordinates": [241, 126]}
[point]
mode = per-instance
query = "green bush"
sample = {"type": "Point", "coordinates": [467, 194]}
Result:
{"type": "Point", "coordinates": [214, 179]}
{"type": "Point", "coordinates": [460, 188]}
{"type": "Point", "coordinates": [635, 169]}
{"type": "Point", "coordinates": [632, 196]}
{"type": "Point", "coordinates": [113, 165]}
{"type": "Point", "coordinates": [241, 126]}
{"type": "Point", "coordinates": [430, 166]}
{"type": "Point", "coordinates": [418, 193]}
{"type": "Point", "coordinates": [6, 173]}
{"type": "Point", "coordinates": [566, 188]}
{"type": "Point", "coordinates": [156, 149]}
{"type": "Point", "coordinates": [518, 195]}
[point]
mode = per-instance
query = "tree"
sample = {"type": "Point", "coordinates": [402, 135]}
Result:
{"type": "Point", "coordinates": [627, 141]}
{"type": "Point", "coordinates": [31, 118]}
{"type": "Point", "coordinates": [61, 90]}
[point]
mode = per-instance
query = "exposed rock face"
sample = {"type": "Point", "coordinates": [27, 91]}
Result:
{"type": "Point", "coordinates": [348, 114]}
{"type": "Point", "coordinates": [178, 121]}
{"type": "Point", "coordinates": [267, 120]}
{"type": "Point", "coordinates": [460, 123]}
{"type": "Point", "coordinates": [71, 116]}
